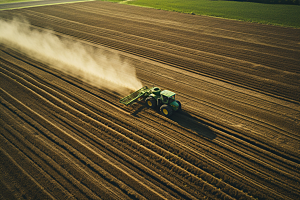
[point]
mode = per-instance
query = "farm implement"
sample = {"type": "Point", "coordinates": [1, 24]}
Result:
{"type": "Point", "coordinates": [154, 98]}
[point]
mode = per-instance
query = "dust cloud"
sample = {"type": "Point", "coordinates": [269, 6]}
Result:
{"type": "Point", "coordinates": [90, 64]}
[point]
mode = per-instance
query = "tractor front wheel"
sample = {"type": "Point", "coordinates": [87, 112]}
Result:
{"type": "Point", "coordinates": [179, 105]}
{"type": "Point", "coordinates": [150, 102]}
{"type": "Point", "coordinates": [166, 110]}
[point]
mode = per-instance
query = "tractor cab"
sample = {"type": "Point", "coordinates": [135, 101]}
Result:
{"type": "Point", "coordinates": [167, 96]}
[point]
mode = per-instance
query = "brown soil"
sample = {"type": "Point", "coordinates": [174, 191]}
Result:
{"type": "Point", "coordinates": [237, 136]}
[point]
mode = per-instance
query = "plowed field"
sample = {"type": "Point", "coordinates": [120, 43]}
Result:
{"type": "Point", "coordinates": [237, 136]}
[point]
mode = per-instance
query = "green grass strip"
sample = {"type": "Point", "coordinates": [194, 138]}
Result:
{"type": "Point", "coordinates": [274, 14]}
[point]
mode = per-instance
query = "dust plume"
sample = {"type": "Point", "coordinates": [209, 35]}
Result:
{"type": "Point", "coordinates": [88, 63]}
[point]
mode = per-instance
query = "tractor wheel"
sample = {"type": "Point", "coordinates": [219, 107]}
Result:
{"type": "Point", "coordinates": [150, 102]}
{"type": "Point", "coordinates": [179, 107]}
{"type": "Point", "coordinates": [166, 110]}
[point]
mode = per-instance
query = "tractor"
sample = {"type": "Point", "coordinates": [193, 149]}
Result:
{"type": "Point", "coordinates": [154, 98]}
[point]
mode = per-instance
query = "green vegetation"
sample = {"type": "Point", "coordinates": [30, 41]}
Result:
{"type": "Point", "coordinates": [275, 14]}
{"type": "Point", "coordinates": [293, 2]}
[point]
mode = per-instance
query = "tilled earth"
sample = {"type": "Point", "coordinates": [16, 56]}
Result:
{"type": "Point", "coordinates": [237, 136]}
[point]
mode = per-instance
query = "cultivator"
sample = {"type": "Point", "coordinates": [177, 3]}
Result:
{"type": "Point", "coordinates": [135, 97]}
{"type": "Point", "coordinates": [154, 97]}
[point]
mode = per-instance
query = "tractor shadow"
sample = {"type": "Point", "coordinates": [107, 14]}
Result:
{"type": "Point", "coordinates": [184, 119]}
{"type": "Point", "coordinates": [138, 108]}
{"type": "Point", "coordinates": [195, 125]}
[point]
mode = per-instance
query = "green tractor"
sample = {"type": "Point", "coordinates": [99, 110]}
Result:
{"type": "Point", "coordinates": [154, 98]}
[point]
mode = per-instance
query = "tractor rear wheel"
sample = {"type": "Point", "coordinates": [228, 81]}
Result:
{"type": "Point", "coordinates": [166, 110]}
{"type": "Point", "coordinates": [150, 102]}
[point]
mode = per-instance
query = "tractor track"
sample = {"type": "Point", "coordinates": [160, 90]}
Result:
{"type": "Point", "coordinates": [71, 140]}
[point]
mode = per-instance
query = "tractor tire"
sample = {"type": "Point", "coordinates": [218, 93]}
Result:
{"type": "Point", "coordinates": [150, 102]}
{"type": "Point", "coordinates": [166, 110]}
{"type": "Point", "coordinates": [179, 107]}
